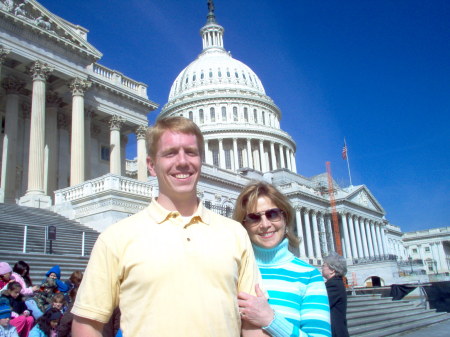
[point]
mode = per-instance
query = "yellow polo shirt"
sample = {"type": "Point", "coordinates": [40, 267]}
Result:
{"type": "Point", "coordinates": [171, 277]}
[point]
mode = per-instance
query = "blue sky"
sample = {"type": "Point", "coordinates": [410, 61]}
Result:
{"type": "Point", "coordinates": [374, 72]}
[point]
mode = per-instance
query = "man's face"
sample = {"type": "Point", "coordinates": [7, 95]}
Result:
{"type": "Point", "coordinates": [177, 166]}
{"type": "Point", "coordinates": [327, 272]}
{"type": "Point", "coordinates": [52, 275]}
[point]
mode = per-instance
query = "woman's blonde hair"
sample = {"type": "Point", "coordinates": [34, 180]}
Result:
{"type": "Point", "coordinates": [247, 203]}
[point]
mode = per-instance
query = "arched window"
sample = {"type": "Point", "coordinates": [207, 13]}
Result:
{"type": "Point", "coordinates": [201, 116]}
{"type": "Point", "coordinates": [212, 113]}
{"type": "Point", "coordinates": [224, 114]}
{"type": "Point", "coordinates": [191, 116]}
{"type": "Point", "coordinates": [264, 118]}
{"type": "Point", "coordinates": [235, 114]}
{"type": "Point", "coordinates": [255, 115]}
{"type": "Point", "coordinates": [202, 76]}
{"type": "Point", "coordinates": [246, 115]}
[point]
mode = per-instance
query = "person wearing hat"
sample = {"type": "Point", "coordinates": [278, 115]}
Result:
{"type": "Point", "coordinates": [6, 329]}
{"type": "Point", "coordinates": [5, 274]}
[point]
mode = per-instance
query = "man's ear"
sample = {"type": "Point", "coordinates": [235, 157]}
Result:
{"type": "Point", "coordinates": [151, 166]}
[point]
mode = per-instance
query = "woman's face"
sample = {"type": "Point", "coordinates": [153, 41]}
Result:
{"type": "Point", "coordinates": [327, 272]}
{"type": "Point", "coordinates": [266, 233]}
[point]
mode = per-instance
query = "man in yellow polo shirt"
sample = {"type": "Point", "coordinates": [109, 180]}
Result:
{"type": "Point", "coordinates": [175, 268]}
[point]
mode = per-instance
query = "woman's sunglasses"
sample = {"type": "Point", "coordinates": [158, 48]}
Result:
{"type": "Point", "coordinates": [253, 219]}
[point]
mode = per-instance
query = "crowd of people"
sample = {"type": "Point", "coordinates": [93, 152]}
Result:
{"type": "Point", "coordinates": [178, 269]}
{"type": "Point", "coordinates": [36, 310]}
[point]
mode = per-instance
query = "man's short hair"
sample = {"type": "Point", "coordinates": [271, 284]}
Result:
{"type": "Point", "coordinates": [174, 124]}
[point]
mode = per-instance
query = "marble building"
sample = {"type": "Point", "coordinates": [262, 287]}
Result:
{"type": "Point", "coordinates": [66, 119]}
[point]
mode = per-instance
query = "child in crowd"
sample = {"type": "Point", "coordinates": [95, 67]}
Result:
{"type": "Point", "coordinates": [6, 329]}
{"type": "Point", "coordinates": [58, 301]}
{"type": "Point", "coordinates": [47, 324]}
{"type": "Point", "coordinates": [8, 275]}
{"type": "Point", "coordinates": [21, 316]}
{"type": "Point", "coordinates": [55, 274]}
{"type": "Point", "coordinates": [74, 279]}
{"type": "Point", "coordinates": [23, 269]}
{"type": "Point", "coordinates": [65, 326]}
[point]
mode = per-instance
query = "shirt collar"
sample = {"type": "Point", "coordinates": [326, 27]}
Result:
{"type": "Point", "coordinates": [159, 214]}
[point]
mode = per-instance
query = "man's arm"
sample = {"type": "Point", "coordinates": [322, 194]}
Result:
{"type": "Point", "coordinates": [83, 327]}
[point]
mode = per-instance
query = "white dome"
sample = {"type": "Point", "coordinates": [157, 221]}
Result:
{"type": "Point", "coordinates": [215, 68]}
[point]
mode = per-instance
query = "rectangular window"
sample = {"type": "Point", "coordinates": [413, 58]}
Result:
{"type": "Point", "coordinates": [246, 115]}
{"type": "Point", "coordinates": [104, 153]}
{"type": "Point", "coordinates": [213, 115]}
{"type": "Point", "coordinates": [427, 249]}
{"type": "Point", "coordinates": [215, 155]}
{"type": "Point", "coordinates": [235, 114]}
{"type": "Point", "coordinates": [224, 114]}
{"type": "Point", "coordinates": [414, 250]}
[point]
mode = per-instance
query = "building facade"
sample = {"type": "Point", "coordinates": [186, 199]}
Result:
{"type": "Point", "coordinates": [66, 119]}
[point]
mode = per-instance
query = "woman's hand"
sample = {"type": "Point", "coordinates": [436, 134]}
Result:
{"type": "Point", "coordinates": [255, 309]}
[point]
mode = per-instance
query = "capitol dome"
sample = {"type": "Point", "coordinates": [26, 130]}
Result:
{"type": "Point", "coordinates": [226, 99]}
{"type": "Point", "coordinates": [215, 68]}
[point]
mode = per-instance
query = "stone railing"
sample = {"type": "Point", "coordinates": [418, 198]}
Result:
{"type": "Point", "coordinates": [118, 79]}
{"type": "Point", "coordinates": [108, 183]}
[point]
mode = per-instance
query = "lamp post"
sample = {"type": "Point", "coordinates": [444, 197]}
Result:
{"type": "Point", "coordinates": [410, 263]}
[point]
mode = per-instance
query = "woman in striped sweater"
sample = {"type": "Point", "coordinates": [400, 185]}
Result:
{"type": "Point", "coordinates": [298, 302]}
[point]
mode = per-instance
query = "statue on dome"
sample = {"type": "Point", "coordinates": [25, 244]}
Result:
{"type": "Point", "coordinates": [211, 6]}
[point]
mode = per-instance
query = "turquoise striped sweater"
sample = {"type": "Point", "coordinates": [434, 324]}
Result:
{"type": "Point", "coordinates": [297, 294]}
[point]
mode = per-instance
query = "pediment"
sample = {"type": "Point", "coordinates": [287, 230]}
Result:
{"type": "Point", "coordinates": [362, 196]}
{"type": "Point", "coordinates": [34, 16]}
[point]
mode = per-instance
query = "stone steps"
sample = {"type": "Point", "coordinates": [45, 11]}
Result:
{"type": "Point", "coordinates": [376, 316]}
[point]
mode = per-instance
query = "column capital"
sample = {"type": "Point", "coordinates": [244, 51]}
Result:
{"type": "Point", "coordinates": [141, 131]}
{"type": "Point", "coordinates": [13, 85]}
{"type": "Point", "coordinates": [53, 99]}
{"type": "Point", "coordinates": [116, 122]}
{"type": "Point", "coordinates": [40, 70]}
{"type": "Point", "coordinates": [79, 86]}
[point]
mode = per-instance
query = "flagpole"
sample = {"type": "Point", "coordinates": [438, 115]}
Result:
{"type": "Point", "coordinates": [348, 163]}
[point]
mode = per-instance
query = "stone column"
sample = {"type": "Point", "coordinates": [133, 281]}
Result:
{"type": "Point", "coordinates": [221, 154]}
{"type": "Point", "coordinates": [288, 160]}
{"type": "Point", "coordinates": [35, 193]}
{"type": "Point", "coordinates": [374, 238]}
{"type": "Point", "coordinates": [346, 237]}
{"type": "Point", "coordinates": [12, 88]}
{"type": "Point", "coordinates": [235, 153]}
{"type": "Point", "coordinates": [115, 164]}
{"type": "Point", "coordinates": [369, 238]}
{"type": "Point", "coordinates": [51, 143]}
{"type": "Point", "coordinates": [141, 132]}
{"type": "Point", "coordinates": [384, 239]}
{"type": "Point", "coordinates": [330, 235]}
{"type": "Point", "coordinates": [363, 237]}
{"type": "Point", "coordinates": [308, 234]}
{"type": "Point", "coordinates": [262, 156]}
{"type": "Point", "coordinates": [294, 163]}
{"type": "Point", "coordinates": [358, 237]}
{"type": "Point", "coordinates": [273, 157]}
{"type": "Point", "coordinates": [378, 234]}
{"type": "Point", "coordinates": [77, 174]}
{"type": "Point", "coordinates": [280, 150]}
{"type": "Point", "coordinates": [352, 236]}
{"type": "Point", "coordinates": [323, 235]}
{"type": "Point", "coordinates": [316, 234]}
{"type": "Point", "coordinates": [249, 153]}
{"type": "Point", "coordinates": [89, 116]}
{"type": "Point", "coordinates": [298, 219]}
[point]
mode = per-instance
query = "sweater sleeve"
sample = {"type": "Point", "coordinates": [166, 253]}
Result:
{"type": "Point", "coordinates": [26, 291]}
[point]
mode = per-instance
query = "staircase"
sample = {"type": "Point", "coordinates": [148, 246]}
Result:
{"type": "Point", "coordinates": [24, 237]}
{"type": "Point", "coordinates": [376, 316]}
